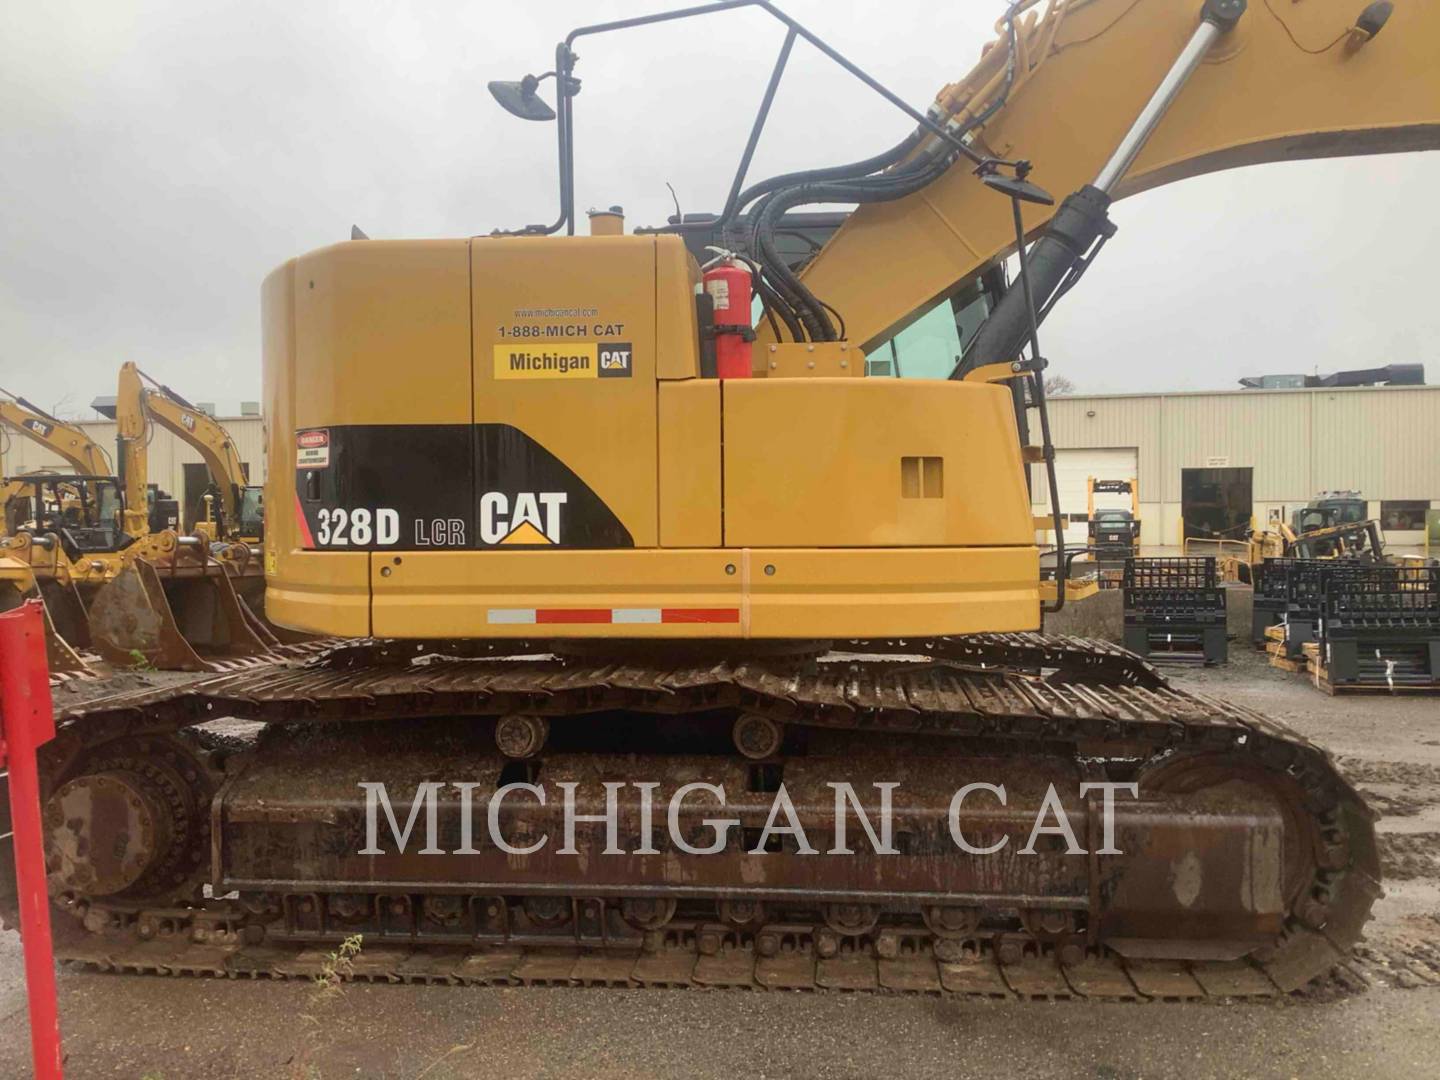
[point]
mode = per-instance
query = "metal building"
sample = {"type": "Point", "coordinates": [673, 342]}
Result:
{"type": "Point", "coordinates": [177, 468]}
{"type": "Point", "coordinates": [1208, 463]}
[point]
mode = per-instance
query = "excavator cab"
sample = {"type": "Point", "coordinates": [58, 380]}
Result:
{"type": "Point", "coordinates": [162, 510]}
{"type": "Point", "coordinates": [19, 510]}
{"type": "Point", "coordinates": [250, 523]}
{"type": "Point", "coordinates": [85, 512]}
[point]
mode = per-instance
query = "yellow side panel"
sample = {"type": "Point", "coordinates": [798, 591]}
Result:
{"type": "Point", "coordinates": [552, 302]}
{"type": "Point", "coordinates": [677, 333]}
{"type": "Point", "coordinates": [766, 593]}
{"type": "Point", "coordinates": [872, 463]}
{"type": "Point", "coordinates": [898, 593]}
{"type": "Point", "coordinates": [323, 592]}
{"type": "Point", "coordinates": [382, 333]}
{"type": "Point", "coordinates": [453, 594]}
{"type": "Point", "coordinates": [690, 464]}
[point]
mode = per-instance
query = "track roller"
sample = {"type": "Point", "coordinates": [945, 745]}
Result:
{"type": "Point", "coordinates": [742, 913]}
{"type": "Point", "coordinates": [851, 920]}
{"type": "Point", "coordinates": [947, 921]}
{"type": "Point", "coordinates": [521, 735]}
{"type": "Point", "coordinates": [647, 912]}
{"type": "Point", "coordinates": [757, 737]}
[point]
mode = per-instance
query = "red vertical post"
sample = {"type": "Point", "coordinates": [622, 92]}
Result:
{"type": "Point", "coordinates": [27, 722]}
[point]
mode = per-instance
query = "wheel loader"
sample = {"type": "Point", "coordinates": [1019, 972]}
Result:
{"type": "Point", "coordinates": [646, 575]}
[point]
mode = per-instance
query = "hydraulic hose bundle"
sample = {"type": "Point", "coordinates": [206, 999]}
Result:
{"type": "Point", "coordinates": [883, 178]}
{"type": "Point", "coordinates": [796, 303]}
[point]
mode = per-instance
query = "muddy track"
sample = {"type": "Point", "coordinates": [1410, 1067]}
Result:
{"type": "Point", "coordinates": [1394, 788]}
{"type": "Point", "coordinates": [1408, 958]}
{"type": "Point", "coordinates": [1407, 773]}
{"type": "Point", "coordinates": [1407, 856]}
{"type": "Point", "coordinates": [954, 689]}
{"type": "Point", "coordinates": [676, 961]}
{"type": "Point", "coordinates": [1410, 961]}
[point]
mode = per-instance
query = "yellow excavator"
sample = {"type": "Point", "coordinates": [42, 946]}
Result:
{"type": "Point", "coordinates": [596, 530]}
{"type": "Point", "coordinates": [179, 601]}
{"type": "Point", "coordinates": [82, 454]}
{"type": "Point", "coordinates": [59, 529]}
{"type": "Point", "coordinates": [235, 511]}
{"type": "Point", "coordinates": [232, 524]}
{"type": "Point", "coordinates": [115, 575]}
{"type": "Point", "coordinates": [60, 437]}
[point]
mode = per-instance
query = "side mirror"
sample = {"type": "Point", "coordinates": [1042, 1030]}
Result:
{"type": "Point", "coordinates": [1016, 187]}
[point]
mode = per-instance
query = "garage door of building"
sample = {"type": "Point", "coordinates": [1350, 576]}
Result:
{"type": "Point", "coordinates": [1072, 468]}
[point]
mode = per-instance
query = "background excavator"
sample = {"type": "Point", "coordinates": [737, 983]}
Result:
{"type": "Point", "coordinates": [598, 535]}
{"type": "Point", "coordinates": [183, 601]}
{"type": "Point", "coordinates": [61, 532]}
{"type": "Point", "coordinates": [60, 437]}
{"type": "Point", "coordinates": [107, 556]}
{"type": "Point", "coordinates": [231, 525]}
{"type": "Point", "coordinates": [83, 455]}
{"type": "Point", "coordinates": [234, 508]}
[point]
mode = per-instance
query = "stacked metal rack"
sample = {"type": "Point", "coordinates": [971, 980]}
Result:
{"type": "Point", "coordinates": [1379, 629]}
{"type": "Point", "coordinates": [1304, 593]}
{"type": "Point", "coordinates": [1291, 592]}
{"type": "Point", "coordinates": [1175, 610]}
{"type": "Point", "coordinates": [1270, 581]}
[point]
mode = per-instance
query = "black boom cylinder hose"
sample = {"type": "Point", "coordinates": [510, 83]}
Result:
{"type": "Point", "coordinates": [1081, 220]}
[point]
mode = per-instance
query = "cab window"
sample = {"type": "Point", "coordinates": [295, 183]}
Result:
{"type": "Point", "coordinates": [931, 346]}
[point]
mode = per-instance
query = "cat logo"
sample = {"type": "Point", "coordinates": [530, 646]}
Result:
{"type": "Point", "coordinates": [614, 360]}
{"type": "Point", "coordinates": [39, 427]}
{"type": "Point", "coordinates": [187, 421]}
{"type": "Point", "coordinates": [531, 517]}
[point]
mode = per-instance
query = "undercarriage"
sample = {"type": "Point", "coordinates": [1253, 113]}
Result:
{"type": "Point", "coordinates": [1237, 861]}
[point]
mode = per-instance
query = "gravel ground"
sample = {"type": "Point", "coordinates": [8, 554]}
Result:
{"type": "Point", "coordinates": [124, 1026]}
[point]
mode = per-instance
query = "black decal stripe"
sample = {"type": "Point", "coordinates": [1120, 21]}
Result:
{"type": "Point", "coordinates": [510, 462]}
{"type": "Point", "coordinates": [435, 476]}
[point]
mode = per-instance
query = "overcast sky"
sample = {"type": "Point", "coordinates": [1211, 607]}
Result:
{"type": "Point", "coordinates": [160, 158]}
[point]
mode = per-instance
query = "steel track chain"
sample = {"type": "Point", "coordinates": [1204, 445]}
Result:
{"type": "Point", "coordinates": [966, 687]}
{"type": "Point", "coordinates": [675, 962]}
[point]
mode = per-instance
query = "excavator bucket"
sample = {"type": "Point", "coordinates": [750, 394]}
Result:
{"type": "Point", "coordinates": [61, 600]}
{"type": "Point", "coordinates": [62, 656]}
{"type": "Point", "coordinates": [171, 621]}
{"type": "Point", "coordinates": [250, 588]}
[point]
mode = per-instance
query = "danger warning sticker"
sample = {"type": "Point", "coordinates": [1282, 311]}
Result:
{"type": "Point", "coordinates": [578, 360]}
{"type": "Point", "coordinates": [312, 449]}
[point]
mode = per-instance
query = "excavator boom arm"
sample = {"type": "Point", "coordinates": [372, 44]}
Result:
{"type": "Point", "coordinates": [80, 452]}
{"type": "Point", "coordinates": [138, 405]}
{"type": "Point", "coordinates": [132, 439]}
{"type": "Point", "coordinates": [209, 439]}
{"type": "Point", "coordinates": [1289, 81]}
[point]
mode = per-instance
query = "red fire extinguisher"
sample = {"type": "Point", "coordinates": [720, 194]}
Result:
{"type": "Point", "coordinates": [728, 283]}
